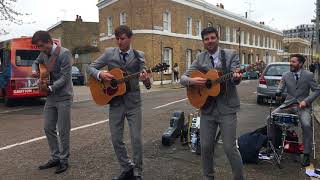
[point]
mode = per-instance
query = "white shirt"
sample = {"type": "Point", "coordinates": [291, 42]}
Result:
{"type": "Point", "coordinates": [215, 58]}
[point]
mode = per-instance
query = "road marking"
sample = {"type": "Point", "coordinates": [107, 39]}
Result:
{"type": "Point", "coordinates": [248, 104]}
{"type": "Point", "coordinates": [43, 137]}
{"type": "Point", "coordinates": [170, 103]}
{"type": "Point", "coordinates": [14, 110]}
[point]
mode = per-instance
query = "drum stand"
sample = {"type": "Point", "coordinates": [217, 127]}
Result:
{"type": "Point", "coordinates": [271, 148]}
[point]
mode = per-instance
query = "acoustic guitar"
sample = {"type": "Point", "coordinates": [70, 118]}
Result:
{"type": "Point", "coordinates": [198, 95]}
{"type": "Point", "coordinates": [44, 79]}
{"type": "Point", "coordinates": [103, 91]}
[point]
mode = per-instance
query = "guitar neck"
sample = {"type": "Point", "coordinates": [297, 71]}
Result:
{"type": "Point", "coordinates": [226, 77]}
{"type": "Point", "coordinates": [131, 76]}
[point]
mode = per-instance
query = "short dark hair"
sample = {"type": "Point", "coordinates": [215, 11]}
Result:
{"type": "Point", "coordinates": [301, 58]}
{"type": "Point", "coordinates": [209, 30]}
{"type": "Point", "coordinates": [43, 36]}
{"type": "Point", "coordinates": [123, 29]}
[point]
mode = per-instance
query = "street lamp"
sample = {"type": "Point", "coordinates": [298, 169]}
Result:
{"type": "Point", "coordinates": [239, 37]}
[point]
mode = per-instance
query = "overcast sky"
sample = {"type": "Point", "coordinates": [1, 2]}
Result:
{"type": "Point", "coordinates": [279, 14]}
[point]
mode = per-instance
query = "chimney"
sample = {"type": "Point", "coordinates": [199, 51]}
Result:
{"type": "Point", "coordinates": [246, 15]}
{"type": "Point", "coordinates": [78, 19]}
{"type": "Point", "coordinates": [221, 6]}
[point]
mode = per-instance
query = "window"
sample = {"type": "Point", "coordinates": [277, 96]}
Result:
{"type": "Point", "coordinates": [1, 61]}
{"type": "Point", "coordinates": [188, 58]}
{"type": "Point", "coordinates": [123, 18]}
{"type": "Point", "coordinates": [254, 40]}
{"type": "Point", "coordinates": [189, 26]}
{"type": "Point", "coordinates": [209, 24]}
{"type": "Point", "coordinates": [219, 31]}
{"type": "Point", "coordinates": [258, 41]}
{"type": "Point", "coordinates": [248, 38]}
{"type": "Point", "coordinates": [234, 35]}
{"type": "Point", "coordinates": [242, 37]}
{"type": "Point", "coordinates": [110, 28]}
{"type": "Point", "coordinates": [198, 28]}
{"type": "Point", "coordinates": [228, 34]}
{"type": "Point", "coordinates": [167, 58]}
{"type": "Point", "coordinates": [26, 57]}
{"type": "Point", "coordinates": [167, 21]}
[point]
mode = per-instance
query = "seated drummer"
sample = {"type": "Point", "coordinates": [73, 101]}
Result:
{"type": "Point", "coordinates": [299, 82]}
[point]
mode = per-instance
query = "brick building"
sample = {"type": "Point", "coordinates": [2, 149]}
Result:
{"type": "Point", "coordinates": [170, 30]}
{"type": "Point", "coordinates": [79, 37]}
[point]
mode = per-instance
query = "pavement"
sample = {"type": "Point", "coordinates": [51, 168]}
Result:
{"type": "Point", "coordinates": [23, 146]}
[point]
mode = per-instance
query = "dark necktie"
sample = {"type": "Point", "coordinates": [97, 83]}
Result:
{"type": "Point", "coordinates": [297, 76]}
{"type": "Point", "coordinates": [212, 61]}
{"type": "Point", "coordinates": [124, 56]}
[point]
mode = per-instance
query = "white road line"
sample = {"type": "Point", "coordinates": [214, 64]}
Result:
{"type": "Point", "coordinates": [170, 103]}
{"type": "Point", "coordinates": [43, 137]}
{"type": "Point", "coordinates": [248, 104]}
{"type": "Point", "coordinates": [13, 110]}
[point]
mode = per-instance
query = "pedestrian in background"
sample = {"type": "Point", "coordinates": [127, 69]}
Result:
{"type": "Point", "coordinates": [175, 70]}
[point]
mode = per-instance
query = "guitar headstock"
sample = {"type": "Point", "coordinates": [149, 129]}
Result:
{"type": "Point", "coordinates": [160, 67]}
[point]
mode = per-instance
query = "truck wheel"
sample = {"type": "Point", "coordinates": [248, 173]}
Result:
{"type": "Point", "coordinates": [7, 101]}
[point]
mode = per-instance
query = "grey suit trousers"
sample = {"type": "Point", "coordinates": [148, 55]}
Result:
{"type": "Point", "coordinates": [228, 126]}
{"type": "Point", "coordinates": [306, 124]}
{"type": "Point", "coordinates": [117, 114]}
{"type": "Point", "coordinates": [57, 117]}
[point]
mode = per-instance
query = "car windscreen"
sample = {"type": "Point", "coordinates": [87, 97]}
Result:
{"type": "Point", "coordinates": [26, 57]}
{"type": "Point", "coordinates": [75, 69]}
{"type": "Point", "coordinates": [276, 69]}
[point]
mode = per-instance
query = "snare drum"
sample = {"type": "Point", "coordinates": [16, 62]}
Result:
{"type": "Point", "coordinates": [285, 119]}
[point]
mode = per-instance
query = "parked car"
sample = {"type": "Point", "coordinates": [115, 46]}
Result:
{"type": "Point", "coordinates": [77, 76]}
{"type": "Point", "coordinates": [251, 74]}
{"type": "Point", "coordinates": [270, 79]}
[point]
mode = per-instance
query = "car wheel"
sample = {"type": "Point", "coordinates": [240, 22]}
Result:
{"type": "Point", "coordinates": [259, 100]}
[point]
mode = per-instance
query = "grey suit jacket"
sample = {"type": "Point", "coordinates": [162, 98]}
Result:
{"type": "Point", "coordinates": [62, 86]}
{"type": "Point", "coordinates": [111, 58]}
{"type": "Point", "coordinates": [299, 90]}
{"type": "Point", "coordinates": [225, 103]}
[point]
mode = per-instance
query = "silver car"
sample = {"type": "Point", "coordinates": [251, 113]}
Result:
{"type": "Point", "coordinates": [269, 81]}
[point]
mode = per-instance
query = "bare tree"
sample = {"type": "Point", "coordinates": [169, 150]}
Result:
{"type": "Point", "coordinates": [8, 15]}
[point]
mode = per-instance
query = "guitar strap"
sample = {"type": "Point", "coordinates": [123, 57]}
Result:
{"type": "Point", "coordinates": [223, 85]}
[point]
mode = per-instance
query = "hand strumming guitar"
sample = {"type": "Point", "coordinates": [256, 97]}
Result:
{"type": "Point", "coordinates": [106, 76]}
{"type": "Point", "coordinates": [197, 81]}
{"type": "Point", "coordinates": [35, 74]}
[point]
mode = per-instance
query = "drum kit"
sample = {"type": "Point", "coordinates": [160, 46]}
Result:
{"type": "Point", "coordinates": [285, 121]}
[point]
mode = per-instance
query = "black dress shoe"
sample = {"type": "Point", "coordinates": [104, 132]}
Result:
{"type": "Point", "coordinates": [61, 168]}
{"type": "Point", "coordinates": [137, 178]}
{"type": "Point", "coordinates": [306, 160]}
{"type": "Point", "coordinates": [49, 164]}
{"type": "Point", "coordinates": [125, 175]}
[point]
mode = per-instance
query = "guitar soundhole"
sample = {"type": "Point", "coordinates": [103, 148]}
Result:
{"type": "Point", "coordinates": [113, 83]}
{"type": "Point", "coordinates": [111, 91]}
{"type": "Point", "coordinates": [208, 84]}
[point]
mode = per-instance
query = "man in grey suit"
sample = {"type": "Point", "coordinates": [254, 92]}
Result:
{"type": "Point", "coordinates": [299, 82]}
{"type": "Point", "coordinates": [128, 105]}
{"type": "Point", "coordinates": [221, 110]}
{"type": "Point", "coordinates": [57, 109]}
